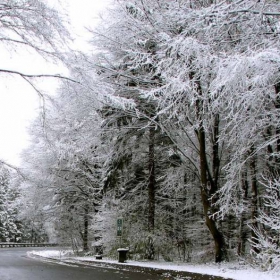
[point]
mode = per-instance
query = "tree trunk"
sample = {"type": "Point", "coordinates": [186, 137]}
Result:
{"type": "Point", "coordinates": [208, 185]}
{"type": "Point", "coordinates": [254, 200]}
{"type": "Point", "coordinates": [151, 191]}
{"type": "Point", "coordinates": [85, 235]}
{"type": "Point", "coordinates": [216, 158]}
{"type": "Point", "coordinates": [242, 239]}
{"type": "Point", "coordinates": [277, 106]}
{"type": "Point", "coordinates": [220, 246]}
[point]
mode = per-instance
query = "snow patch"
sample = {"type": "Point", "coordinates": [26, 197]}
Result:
{"type": "Point", "coordinates": [227, 270]}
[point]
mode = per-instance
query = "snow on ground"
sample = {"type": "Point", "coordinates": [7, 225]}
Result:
{"type": "Point", "coordinates": [227, 270]}
{"type": "Point", "coordinates": [55, 254]}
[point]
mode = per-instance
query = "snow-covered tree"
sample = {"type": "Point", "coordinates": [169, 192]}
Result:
{"type": "Point", "coordinates": [192, 67]}
{"type": "Point", "coordinates": [65, 172]}
{"type": "Point", "coordinates": [267, 240]}
{"type": "Point", "coordinates": [10, 228]}
{"type": "Point", "coordinates": [149, 53]}
{"type": "Point", "coordinates": [32, 26]}
{"type": "Point", "coordinates": [188, 118]}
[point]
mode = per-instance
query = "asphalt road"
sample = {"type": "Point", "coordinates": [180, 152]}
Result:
{"type": "Point", "coordinates": [16, 265]}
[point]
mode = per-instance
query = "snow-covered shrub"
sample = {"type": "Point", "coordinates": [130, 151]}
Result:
{"type": "Point", "coordinates": [268, 239]}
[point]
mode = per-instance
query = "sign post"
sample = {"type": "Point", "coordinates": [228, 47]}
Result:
{"type": "Point", "coordinates": [120, 229]}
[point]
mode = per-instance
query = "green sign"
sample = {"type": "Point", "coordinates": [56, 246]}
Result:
{"type": "Point", "coordinates": [119, 227]}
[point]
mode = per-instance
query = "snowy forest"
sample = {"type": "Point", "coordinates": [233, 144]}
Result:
{"type": "Point", "coordinates": [172, 123]}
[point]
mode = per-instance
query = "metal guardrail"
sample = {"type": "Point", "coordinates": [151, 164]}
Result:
{"type": "Point", "coordinates": [14, 245]}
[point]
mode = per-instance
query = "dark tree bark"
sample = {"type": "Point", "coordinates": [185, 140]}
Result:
{"type": "Point", "coordinates": [151, 180]}
{"type": "Point", "coordinates": [216, 158]}
{"type": "Point", "coordinates": [254, 199]}
{"type": "Point", "coordinates": [220, 246]}
{"type": "Point", "coordinates": [209, 186]}
{"type": "Point", "coordinates": [151, 191]}
{"type": "Point", "coordinates": [85, 234]}
{"type": "Point", "coordinates": [243, 234]}
{"type": "Point", "coordinates": [277, 131]}
{"type": "Point", "coordinates": [277, 106]}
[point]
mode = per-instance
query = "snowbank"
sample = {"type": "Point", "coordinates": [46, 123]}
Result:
{"type": "Point", "coordinates": [227, 270]}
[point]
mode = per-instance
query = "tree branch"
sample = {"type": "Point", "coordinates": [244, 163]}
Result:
{"type": "Point", "coordinates": [37, 75]}
{"type": "Point", "coordinates": [255, 12]}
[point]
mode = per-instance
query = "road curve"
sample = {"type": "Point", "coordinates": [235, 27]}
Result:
{"type": "Point", "coordinates": [15, 265]}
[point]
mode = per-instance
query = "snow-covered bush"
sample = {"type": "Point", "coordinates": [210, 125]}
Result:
{"type": "Point", "coordinates": [268, 238]}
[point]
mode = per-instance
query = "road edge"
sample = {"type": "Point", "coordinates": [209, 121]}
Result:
{"type": "Point", "coordinates": [131, 267]}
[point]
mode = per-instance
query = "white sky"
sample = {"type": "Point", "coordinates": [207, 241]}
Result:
{"type": "Point", "coordinates": [19, 103]}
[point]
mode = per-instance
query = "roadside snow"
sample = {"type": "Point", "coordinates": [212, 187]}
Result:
{"type": "Point", "coordinates": [54, 254]}
{"type": "Point", "coordinates": [227, 270]}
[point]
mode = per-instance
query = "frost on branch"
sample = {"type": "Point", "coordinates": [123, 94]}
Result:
{"type": "Point", "coordinates": [33, 24]}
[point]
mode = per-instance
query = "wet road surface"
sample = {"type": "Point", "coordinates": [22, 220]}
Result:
{"type": "Point", "coordinates": [15, 265]}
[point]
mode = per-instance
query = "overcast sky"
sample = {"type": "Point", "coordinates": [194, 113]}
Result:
{"type": "Point", "coordinates": [19, 104]}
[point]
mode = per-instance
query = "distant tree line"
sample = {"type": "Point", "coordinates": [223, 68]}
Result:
{"type": "Point", "coordinates": [13, 227]}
